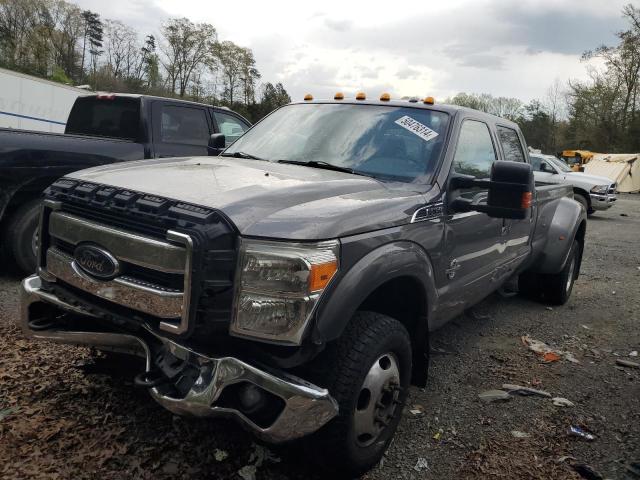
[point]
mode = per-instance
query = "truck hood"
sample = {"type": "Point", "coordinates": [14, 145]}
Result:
{"type": "Point", "coordinates": [267, 199]}
{"type": "Point", "coordinates": [587, 178]}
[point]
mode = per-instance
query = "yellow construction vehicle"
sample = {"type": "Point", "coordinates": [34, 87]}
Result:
{"type": "Point", "coordinates": [576, 158]}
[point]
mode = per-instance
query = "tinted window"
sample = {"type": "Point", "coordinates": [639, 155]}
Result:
{"type": "Point", "coordinates": [511, 145]}
{"type": "Point", "coordinates": [387, 142]}
{"type": "Point", "coordinates": [474, 153]}
{"type": "Point", "coordinates": [114, 117]}
{"type": "Point", "coordinates": [230, 126]}
{"type": "Point", "coordinates": [184, 125]}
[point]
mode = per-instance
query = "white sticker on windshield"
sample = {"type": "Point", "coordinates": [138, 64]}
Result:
{"type": "Point", "coordinates": [416, 127]}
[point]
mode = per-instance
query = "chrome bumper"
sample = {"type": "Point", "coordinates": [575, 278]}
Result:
{"type": "Point", "coordinates": [602, 202]}
{"type": "Point", "coordinates": [306, 406]}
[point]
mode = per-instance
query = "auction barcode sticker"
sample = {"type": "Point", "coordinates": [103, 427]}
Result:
{"type": "Point", "coordinates": [417, 128]}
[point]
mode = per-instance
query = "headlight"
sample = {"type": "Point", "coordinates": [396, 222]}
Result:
{"type": "Point", "coordinates": [600, 189]}
{"type": "Point", "coordinates": [277, 287]}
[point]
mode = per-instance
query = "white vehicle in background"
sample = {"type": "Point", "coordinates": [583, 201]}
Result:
{"type": "Point", "coordinates": [31, 103]}
{"type": "Point", "coordinates": [592, 191]}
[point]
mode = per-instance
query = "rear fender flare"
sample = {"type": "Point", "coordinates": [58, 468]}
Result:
{"type": "Point", "coordinates": [564, 226]}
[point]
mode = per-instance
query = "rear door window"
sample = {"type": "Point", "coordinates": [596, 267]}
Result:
{"type": "Point", "coordinates": [511, 145]}
{"type": "Point", "coordinates": [107, 116]}
{"type": "Point", "coordinates": [187, 125]}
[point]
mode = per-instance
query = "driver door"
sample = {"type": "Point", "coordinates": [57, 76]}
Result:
{"type": "Point", "coordinates": [472, 239]}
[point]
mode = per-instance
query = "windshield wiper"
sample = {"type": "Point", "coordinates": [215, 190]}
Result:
{"type": "Point", "coordinates": [241, 155]}
{"type": "Point", "coordinates": [324, 165]}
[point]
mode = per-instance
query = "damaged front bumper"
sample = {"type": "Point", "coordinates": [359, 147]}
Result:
{"type": "Point", "coordinates": [275, 406]}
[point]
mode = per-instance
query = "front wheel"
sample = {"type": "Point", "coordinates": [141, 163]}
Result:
{"type": "Point", "coordinates": [367, 371]}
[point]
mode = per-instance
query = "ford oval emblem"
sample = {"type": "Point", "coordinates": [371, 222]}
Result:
{"type": "Point", "coordinates": [96, 261]}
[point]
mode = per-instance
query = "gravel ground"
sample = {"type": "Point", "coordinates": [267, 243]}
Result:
{"type": "Point", "coordinates": [61, 418]}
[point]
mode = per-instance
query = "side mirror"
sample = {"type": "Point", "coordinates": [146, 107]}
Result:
{"type": "Point", "coordinates": [544, 167]}
{"type": "Point", "coordinates": [510, 191]}
{"type": "Point", "coordinates": [217, 143]}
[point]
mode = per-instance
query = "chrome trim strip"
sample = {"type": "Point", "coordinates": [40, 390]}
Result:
{"type": "Point", "coordinates": [432, 211]}
{"type": "Point", "coordinates": [154, 301]}
{"type": "Point", "coordinates": [183, 325]}
{"type": "Point", "coordinates": [125, 246]}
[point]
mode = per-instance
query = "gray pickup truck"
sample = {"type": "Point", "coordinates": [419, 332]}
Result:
{"type": "Point", "coordinates": [292, 282]}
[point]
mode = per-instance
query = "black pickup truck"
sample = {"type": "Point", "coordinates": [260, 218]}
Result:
{"type": "Point", "coordinates": [101, 129]}
{"type": "Point", "coordinates": [291, 283]}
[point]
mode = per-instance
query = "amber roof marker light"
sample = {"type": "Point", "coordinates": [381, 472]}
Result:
{"type": "Point", "coordinates": [338, 96]}
{"type": "Point", "coordinates": [429, 101]}
{"type": "Point", "coordinates": [308, 97]}
{"type": "Point", "coordinates": [385, 97]}
{"type": "Point", "coordinates": [361, 96]}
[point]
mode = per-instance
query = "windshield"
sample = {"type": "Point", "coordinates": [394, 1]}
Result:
{"type": "Point", "coordinates": [392, 143]}
{"type": "Point", "coordinates": [559, 164]}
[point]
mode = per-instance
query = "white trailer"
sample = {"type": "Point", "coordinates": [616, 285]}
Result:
{"type": "Point", "coordinates": [31, 103]}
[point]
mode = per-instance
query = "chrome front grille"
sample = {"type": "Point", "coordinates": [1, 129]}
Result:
{"type": "Point", "coordinates": [155, 277]}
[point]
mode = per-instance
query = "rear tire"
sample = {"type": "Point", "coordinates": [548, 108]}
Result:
{"type": "Point", "coordinates": [557, 288]}
{"type": "Point", "coordinates": [21, 230]}
{"type": "Point", "coordinates": [367, 371]}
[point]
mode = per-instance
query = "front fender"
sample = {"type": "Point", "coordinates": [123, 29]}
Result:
{"type": "Point", "coordinates": [387, 262]}
{"type": "Point", "coordinates": [562, 230]}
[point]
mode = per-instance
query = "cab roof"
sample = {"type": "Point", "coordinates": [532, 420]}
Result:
{"type": "Point", "coordinates": [453, 110]}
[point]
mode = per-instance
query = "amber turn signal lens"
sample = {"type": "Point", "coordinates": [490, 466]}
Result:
{"type": "Point", "coordinates": [308, 97]}
{"type": "Point", "coordinates": [321, 274]}
{"type": "Point", "coordinates": [339, 96]}
{"type": "Point", "coordinates": [429, 101]}
{"type": "Point", "coordinates": [526, 200]}
{"type": "Point", "coordinates": [385, 97]}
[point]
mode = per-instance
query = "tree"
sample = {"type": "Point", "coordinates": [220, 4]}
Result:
{"type": "Point", "coordinates": [230, 59]}
{"type": "Point", "coordinates": [93, 34]}
{"type": "Point", "coordinates": [510, 108]}
{"type": "Point", "coordinates": [186, 47]}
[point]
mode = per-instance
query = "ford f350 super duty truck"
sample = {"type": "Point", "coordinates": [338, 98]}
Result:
{"type": "Point", "coordinates": [292, 282]}
{"type": "Point", "coordinates": [101, 129]}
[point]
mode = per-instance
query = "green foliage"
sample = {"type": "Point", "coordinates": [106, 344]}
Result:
{"type": "Point", "coordinates": [56, 39]}
{"type": "Point", "coordinates": [59, 76]}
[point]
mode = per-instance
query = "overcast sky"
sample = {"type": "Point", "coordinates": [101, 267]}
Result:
{"type": "Point", "coordinates": [504, 47]}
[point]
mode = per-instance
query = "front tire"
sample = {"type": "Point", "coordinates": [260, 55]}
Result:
{"type": "Point", "coordinates": [21, 231]}
{"type": "Point", "coordinates": [368, 371]}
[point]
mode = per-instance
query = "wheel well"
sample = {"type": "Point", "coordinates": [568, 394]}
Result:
{"type": "Point", "coordinates": [25, 193]}
{"type": "Point", "coordinates": [584, 193]}
{"type": "Point", "coordinates": [404, 299]}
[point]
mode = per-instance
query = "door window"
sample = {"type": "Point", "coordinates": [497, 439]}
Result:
{"type": "Point", "coordinates": [230, 126]}
{"type": "Point", "coordinates": [475, 152]}
{"type": "Point", "coordinates": [184, 125]}
{"type": "Point", "coordinates": [511, 145]}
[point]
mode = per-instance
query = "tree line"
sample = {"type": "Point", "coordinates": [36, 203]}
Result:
{"type": "Point", "coordinates": [57, 40]}
{"type": "Point", "coordinates": [600, 114]}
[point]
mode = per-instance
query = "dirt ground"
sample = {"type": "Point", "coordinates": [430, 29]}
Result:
{"type": "Point", "coordinates": [61, 418]}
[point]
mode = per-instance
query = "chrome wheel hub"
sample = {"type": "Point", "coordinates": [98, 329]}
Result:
{"type": "Point", "coordinates": [378, 399]}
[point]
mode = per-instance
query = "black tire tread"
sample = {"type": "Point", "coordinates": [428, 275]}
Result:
{"type": "Point", "coordinates": [344, 361]}
{"type": "Point", "coordinates": [15, 233]}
